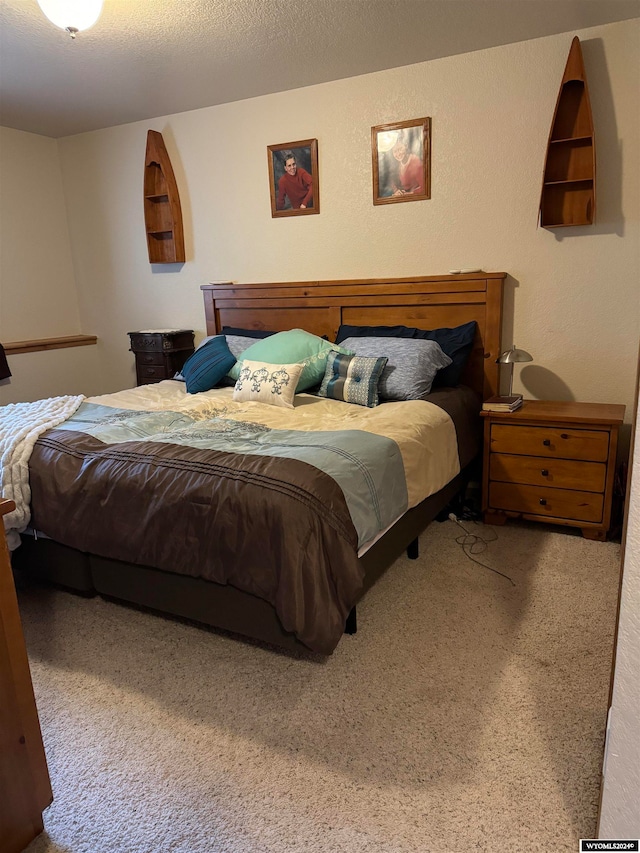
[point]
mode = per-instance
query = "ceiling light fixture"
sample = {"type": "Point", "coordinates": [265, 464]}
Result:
{"type": "Point", "coordinates": [72, 15]}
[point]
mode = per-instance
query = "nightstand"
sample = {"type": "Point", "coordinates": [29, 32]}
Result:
{"type": "Point", "coordinates": [552, 462]}
{"type": "Point", "coordinates": [160, 353]}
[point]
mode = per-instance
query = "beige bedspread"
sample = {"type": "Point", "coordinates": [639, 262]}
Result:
{"type": "Point", "coordinates": [424, 432]}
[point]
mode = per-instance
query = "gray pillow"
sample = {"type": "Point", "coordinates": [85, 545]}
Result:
{"type": "Point", "coordinates": [239, 343]}
{"type": "Point", "coordinates": [411, 367]}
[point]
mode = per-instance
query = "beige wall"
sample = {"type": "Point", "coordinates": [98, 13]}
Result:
{"type": "Point", "coordinates": [38, 296]}
{"type": "Point", "coordinates": [620, 806]}
{"type": "Point", "coordinates": [572, 298]}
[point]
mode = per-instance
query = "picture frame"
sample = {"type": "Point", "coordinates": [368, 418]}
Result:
{"type": "Point", "coordinates": [401, 160]}
{"type": "Point", "coordinates": [289, 188]}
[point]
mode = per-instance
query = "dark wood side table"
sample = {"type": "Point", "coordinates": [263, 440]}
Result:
{"type": "Point", "coordinates": [552, 461]}
{"type": "Point", "coordinates": [160, 353]}
{"type": "Point", "coordinates": [25, 788]}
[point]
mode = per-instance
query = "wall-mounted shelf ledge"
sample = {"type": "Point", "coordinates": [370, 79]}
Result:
{"type": "Point", "coordinates": [40, 344]}
{"type": "Point", "coordinates": [571, 181]}
{"type": "Point", "coordinates": [570, 139]}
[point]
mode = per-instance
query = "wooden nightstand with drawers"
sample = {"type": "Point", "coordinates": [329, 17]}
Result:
{"type": "Point", "coordinates": [551, 461]}
{"type": "Point", "coordinates": [160, 353]}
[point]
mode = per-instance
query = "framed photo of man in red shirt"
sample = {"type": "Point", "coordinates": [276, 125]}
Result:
{"type": "Point", "coordinates": [293, 178]}
{"type": "Point", "coordinates": [401, 159]}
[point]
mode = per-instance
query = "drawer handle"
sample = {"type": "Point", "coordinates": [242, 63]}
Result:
{"type": "Point", "coordinates": [544, 472]}
{"type": "Point", "coordinates": [148, 359]}
{"type": "Point", "coordinates": [563, 435]}
{"type": "Point", "coordinates": [547, 442]}
{"type": "Point", "coordinates": [543, 501]}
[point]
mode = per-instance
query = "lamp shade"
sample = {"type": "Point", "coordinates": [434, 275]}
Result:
{"type": "Point", "coordinates": [513, 356]}
{"type": "Point", "coordinates": [72, 15]}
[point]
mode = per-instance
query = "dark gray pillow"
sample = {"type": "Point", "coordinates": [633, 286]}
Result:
{"type": "Point", "coordinates": [411, 367]}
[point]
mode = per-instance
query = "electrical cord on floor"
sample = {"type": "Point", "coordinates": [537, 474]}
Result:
{"type": "Point", "coordinates": [471, 544]}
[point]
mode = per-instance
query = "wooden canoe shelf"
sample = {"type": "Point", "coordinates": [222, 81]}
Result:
{"type": "Point", "coordinates": [569, 184]}
{"type": "Point", "coordinates": [162, 212]}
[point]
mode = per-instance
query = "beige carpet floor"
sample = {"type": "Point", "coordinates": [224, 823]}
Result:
{"type": "Point", "coordinates": [465, 714]}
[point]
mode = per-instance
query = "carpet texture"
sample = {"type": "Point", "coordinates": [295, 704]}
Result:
{"type": "Point", "coordinates": [465, 714]}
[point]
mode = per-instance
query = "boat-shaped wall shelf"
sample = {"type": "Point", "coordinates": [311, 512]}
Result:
{"type": "Point", "coordinates": [569, 183]}
{"type": "Point", "coordinates": [162, 212]}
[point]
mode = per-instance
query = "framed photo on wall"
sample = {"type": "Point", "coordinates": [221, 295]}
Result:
{"type": "Point", "coordinates": [293, 178]}
{"type": "Point", "coordinates": [401, 159]}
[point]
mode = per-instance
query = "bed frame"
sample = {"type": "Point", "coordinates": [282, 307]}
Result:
{"type": "Point", "coordinates": [319, 307]}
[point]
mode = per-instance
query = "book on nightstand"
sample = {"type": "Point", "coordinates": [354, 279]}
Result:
{"type": "Point", "coordinates": [502, 404]}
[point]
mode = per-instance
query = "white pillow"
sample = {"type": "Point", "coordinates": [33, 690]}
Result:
{"type": "Point", "coordinates": [273, 384]}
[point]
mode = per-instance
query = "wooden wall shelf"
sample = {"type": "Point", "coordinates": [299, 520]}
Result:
{"type": "Point", "coordinates": [40, 344]}
{"type": "Point", "coordinates": [162, 211]}
{"type": "Point", "coordinates": [568, 189]}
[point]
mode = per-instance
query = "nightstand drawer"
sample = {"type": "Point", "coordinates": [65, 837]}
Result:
{"type": "Point", "coordinates": [584, 444]}
{"type": "Point", "coordinates": [141, 343]}
{"type": "Point", "coordinates": [144, 358]}
{"type": "Point", "coordinates": [556, 473]}
{"type": "Point", "coordinates": [161, 341]}
{"type": "Point", "coordinates": [552, 503]}
{"type": "Point", "coordinates": [151, 372]}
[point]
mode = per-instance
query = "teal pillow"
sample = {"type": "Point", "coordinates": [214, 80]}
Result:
{"type": "Point", "coordinates": [352, 379]}
{"type": "Point", "coordinates": [207, 365]}
{"type": "Point", "coordinates": [293, 347]}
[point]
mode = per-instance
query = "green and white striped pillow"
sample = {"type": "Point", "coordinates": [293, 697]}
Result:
{"type": "Point", "coordinates": [352, 378]}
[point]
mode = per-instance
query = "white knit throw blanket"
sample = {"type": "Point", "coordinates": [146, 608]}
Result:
{"type": "Point", "coordinates": [20, 426]}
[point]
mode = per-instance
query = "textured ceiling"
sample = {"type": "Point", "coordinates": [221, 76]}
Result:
{"type": "Point", "coordinates": [148, 58]}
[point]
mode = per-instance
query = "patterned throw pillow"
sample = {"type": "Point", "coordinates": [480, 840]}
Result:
{"type": "Point", "coordinates": [293, 347]}
{"type": "Point", "coordinates": [207, 365]}
{"type": "Point", "coordinates": [352, 378]}
{"type": "Point", "coordinates": [411, 365]}
{"type": "Point", "coordinates": [261, 382]}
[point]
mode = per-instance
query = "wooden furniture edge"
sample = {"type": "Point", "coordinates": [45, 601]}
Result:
{"type": "Point", "coordinates": [22, 756]}
{"type": "Point", "coordinates": [42, 344]}
{"type": "Point", "coordinates": [477, 276]}
{"type": "Point", "coordinates": [537, 411]}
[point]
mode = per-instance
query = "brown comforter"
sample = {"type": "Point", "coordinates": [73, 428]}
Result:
{"type": "Point", "coordinates": [277, 528]}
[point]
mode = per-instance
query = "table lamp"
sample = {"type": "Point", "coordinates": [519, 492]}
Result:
{"type": "Point", "coordinates": [513, 356]}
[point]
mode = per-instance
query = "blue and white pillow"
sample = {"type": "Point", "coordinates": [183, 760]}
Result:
{"type": "Point", "coordinates": [352, 379]}
{"type": "Point", "coordinates": [205, 367]}
{"type": "Point", "coordinates": [262, 382]}
{"type": "Point", "coordinates": [411, 364]}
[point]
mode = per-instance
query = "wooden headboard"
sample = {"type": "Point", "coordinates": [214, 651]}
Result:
{"type": "Point", "coordinates": [426, 302]}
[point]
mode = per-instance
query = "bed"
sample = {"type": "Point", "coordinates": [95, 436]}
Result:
{"type": "Point", "coordinates": [257, 568]}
